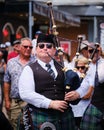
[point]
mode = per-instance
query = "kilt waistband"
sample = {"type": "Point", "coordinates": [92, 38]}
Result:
{"type": "Point", "coordinates": [48, 111]}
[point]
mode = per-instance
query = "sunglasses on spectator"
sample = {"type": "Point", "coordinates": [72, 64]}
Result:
{"type": "Point", "coordinates": [91, 51]}
{"type": "Point", "coordinates": [97, 45]}
{"type": "Point", "coordinates": [80, 67]}
{"type": "Point", "coordinates": [30, 47]}
{"type": "Point", "coordinates": [86, 48]}
{"type": "Point", "coordinates": [42, 45]}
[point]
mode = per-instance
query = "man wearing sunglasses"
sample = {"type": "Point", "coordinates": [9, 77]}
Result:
{"type": "Point", "coordinates": [13, 102]}
{"type": "Point", "coordinates": [44, 91]}
{"type": "Point", "coordinates": [93, 118]}
{"type": "Point", "coordinates": [83, 52]}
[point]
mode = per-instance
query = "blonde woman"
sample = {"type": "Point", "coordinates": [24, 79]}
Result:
{"type": "Point", "coordinates": [78, 110]}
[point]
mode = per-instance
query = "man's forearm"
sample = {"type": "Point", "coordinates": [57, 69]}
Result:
{"type": "Point", "coordinates": [6, 91]}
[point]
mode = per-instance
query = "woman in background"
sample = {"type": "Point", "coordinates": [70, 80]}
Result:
{"type": "Point", "coordinates": [2, 70]}
{"type": "Point", "coordinates": [80, 108]}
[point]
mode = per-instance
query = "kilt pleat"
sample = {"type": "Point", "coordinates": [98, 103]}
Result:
{"type": "Point", "coordinates": [91, 119]}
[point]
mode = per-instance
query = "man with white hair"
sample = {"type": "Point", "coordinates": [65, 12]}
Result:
{"type": "Point", "coordinates": [83, 52]}
{"type": "Point", "coordinates": [13, 102]}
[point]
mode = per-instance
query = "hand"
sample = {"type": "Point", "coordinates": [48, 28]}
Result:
{"type": "Point", "coordinates": [71, 96]}
{"type": "Point", "coordinates": [58, 105]}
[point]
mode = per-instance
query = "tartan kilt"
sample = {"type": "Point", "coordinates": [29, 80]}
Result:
{"type": "Point", "coordinates": [91, 119]}
{"type": "Point", "coordinates": [62, 121]}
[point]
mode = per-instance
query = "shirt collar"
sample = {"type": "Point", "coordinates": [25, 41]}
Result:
{"type": "Point", "coordinates": [43, 63]}
{"type": "Point", "coordinates": [31, 60]}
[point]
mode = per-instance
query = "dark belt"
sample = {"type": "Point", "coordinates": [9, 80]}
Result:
{"type": "Point", "coordinates": [17, 100]}
{"type": "Point", "coordinates": [47, 111]}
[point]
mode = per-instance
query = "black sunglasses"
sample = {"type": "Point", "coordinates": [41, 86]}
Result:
{"type": "Point", "coordinates": [80, 67]}
{"type": "Point", "coordinates": [91, 51]}
{"type": "Point", "coordinates": [48, 45]}
{"type": "Point", "coordinates": [86, 48]}
{"type": "Point", "coordinates": [97, 45]}
{"type": "Point", "coordinates": [30, 47]}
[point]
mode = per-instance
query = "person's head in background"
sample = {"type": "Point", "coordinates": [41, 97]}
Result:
{"type": "Point", "coordinates": [84, 48]}
{"type": "Point", "coordinates": [37, 34]}
{"type": "Point", "coordinates": [2, 47]}
{"type": "Point", "coordinates": [82, 64]}
{"type": "Point", "coordinates": [34, 42]}
{"type": "Point", "coordinates": [8, 46]}
{"type": "Point", "coordinates": [97, 52]}
{"type": "Point", "coordinates": [66, 57]}
{"type": "Point", "coordinates": [16, 46]}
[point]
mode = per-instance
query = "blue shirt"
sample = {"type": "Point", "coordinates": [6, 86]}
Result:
{"type": "Point", "coordinates": [12, 74]}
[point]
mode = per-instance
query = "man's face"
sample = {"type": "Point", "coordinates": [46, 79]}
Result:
{"type": "Point", "coordinates": [85, 52]}
{"type": "Point", "coordinates": [43, 49]}
{"type": "Point", "coordinates": [26, 48]}
{"type": "Point", "coordinates": [81, 66]}
{"type": "Point", "coordinates": [97, 53]}
{"type": "Point", "coordinates": [17, 47]}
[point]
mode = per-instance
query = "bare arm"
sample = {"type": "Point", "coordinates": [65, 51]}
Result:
{"type": "Point", "coordinates": [4, 66]}
{"type": "Point", "coordinates": [6, 95]}
{"type": "Point", "coordinates": [89, 93]}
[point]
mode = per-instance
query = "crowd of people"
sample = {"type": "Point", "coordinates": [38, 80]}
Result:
{"type": "Point", "coordinates": [32, 84]}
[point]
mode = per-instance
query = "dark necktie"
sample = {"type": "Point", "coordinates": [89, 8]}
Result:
{"type": "Point", "coordinates": [50, 71]}
{"type": "Point", "coordinates": [96, 76]}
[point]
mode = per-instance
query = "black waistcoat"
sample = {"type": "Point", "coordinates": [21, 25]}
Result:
{"type": "Point", "coordinates": [46, 85]}
{"type": "Point", "coordinates": [98, 97]}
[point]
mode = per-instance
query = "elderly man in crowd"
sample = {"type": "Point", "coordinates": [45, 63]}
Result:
{"type": "Point", "coordinates": [13, 102]}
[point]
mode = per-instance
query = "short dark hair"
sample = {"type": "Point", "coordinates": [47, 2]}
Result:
{"type": "Point", "coordinates": [16, 42]}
